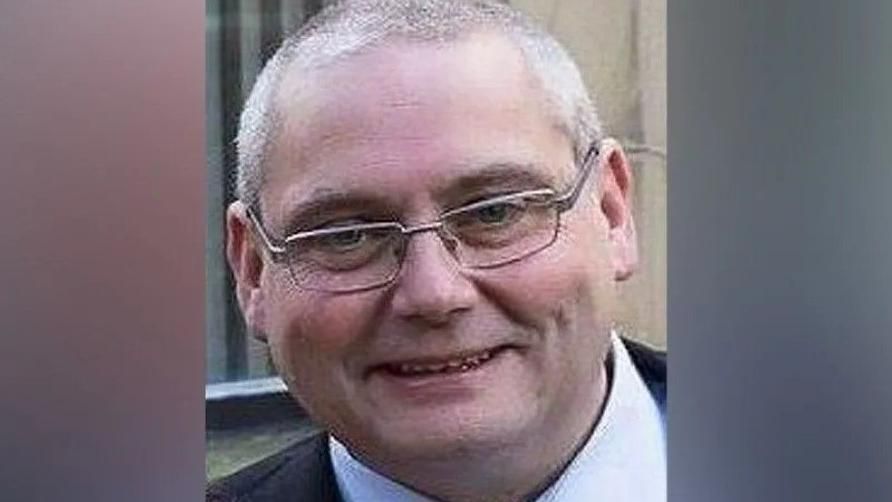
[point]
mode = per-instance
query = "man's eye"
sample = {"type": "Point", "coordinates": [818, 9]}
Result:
{"type": "Point", "coordinates": [498, 214]}
{"type": "Point", "coordinates": [345, 240]}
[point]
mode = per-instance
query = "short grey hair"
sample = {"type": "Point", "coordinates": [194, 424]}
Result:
{"type": "Point", "coordinates": [350, 26]}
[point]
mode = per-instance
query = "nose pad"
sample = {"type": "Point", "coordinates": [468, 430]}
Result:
{"type": "Point", "coordinates": [449, 241]}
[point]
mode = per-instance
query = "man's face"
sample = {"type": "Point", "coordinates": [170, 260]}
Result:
{"type": "Point", "coordinates": [405, 132]}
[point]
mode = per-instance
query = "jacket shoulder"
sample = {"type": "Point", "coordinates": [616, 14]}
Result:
{"type": "Point", "coordinates": [300, 472]}
{"type": "Point", "coordinates": [651, 365]}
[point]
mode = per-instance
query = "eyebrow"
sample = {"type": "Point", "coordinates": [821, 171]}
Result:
{"type": "Point", "coordinates": [325, 201]}
{"type": "Point", "coordinates": [502, 177]}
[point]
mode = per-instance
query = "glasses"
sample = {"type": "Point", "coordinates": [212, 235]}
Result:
{"type": "Point", "coordinates": [490, 233]}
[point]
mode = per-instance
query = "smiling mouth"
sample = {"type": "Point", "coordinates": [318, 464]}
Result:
{"type": "Point", "coordinates": [457, 364]}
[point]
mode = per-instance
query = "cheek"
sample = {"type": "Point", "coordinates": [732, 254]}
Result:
{"type": "Point", "coordinates": [309, 331]}
{"type": "Point", "coordinates": [554, 289]}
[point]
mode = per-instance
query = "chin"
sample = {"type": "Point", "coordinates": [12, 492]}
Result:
{"type": "Point", "coordinates": [448, 435]}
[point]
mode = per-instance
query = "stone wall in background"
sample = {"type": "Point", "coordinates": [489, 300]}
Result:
{"type": "Point", "coordinates": [620, 47]}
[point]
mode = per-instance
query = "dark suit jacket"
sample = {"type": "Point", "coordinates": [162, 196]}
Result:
{"type": "Point", "coordinates": [303, 471]}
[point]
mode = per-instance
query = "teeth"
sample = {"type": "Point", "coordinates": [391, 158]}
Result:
{"type": "Point", "coordinates": [464, 364]}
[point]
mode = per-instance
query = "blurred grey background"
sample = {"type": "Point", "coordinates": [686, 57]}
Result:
{"type": "Point", "coordinates": [779, 249]}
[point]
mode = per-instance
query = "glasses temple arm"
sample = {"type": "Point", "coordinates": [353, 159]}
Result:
{"type": "Point", "coordinates": [273, 248]}
{"type": "Point", "coordinates": [566, 201]}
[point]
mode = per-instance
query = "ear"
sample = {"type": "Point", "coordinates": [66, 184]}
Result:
{"type": "Point", "coordinates": [615, 194]}
{"type": "Point", "coordinates": [246, 264]}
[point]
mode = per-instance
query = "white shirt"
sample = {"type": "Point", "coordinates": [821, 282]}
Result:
{"type": "Point", "coordinates": [624, 460]}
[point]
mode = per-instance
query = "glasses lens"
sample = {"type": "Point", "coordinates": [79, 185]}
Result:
{"type": "Point", "coordinates": [504, 229]}
{"type": "Point", "coordinates": [482, 235]}
{"type": "Point", "coordinates": [348, 258]}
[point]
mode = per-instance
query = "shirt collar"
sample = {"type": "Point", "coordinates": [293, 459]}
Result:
{"type": "Point", "coordinates": [624, 459]}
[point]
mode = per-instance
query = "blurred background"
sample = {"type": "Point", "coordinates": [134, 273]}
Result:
{"type": "Point", "coordinates": [620, 47]}
{"type": "Point", "coordinates": [780, 248]}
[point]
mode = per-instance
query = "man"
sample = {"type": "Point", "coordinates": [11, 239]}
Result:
{"type": "Point", "coordinates": [429, 232]}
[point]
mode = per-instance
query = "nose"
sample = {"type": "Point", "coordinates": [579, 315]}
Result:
{"type": "Point", "coordinates": [431, 287]}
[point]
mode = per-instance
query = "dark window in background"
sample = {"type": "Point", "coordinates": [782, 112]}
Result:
{"type": "Point", "coordinates": [241, 35]}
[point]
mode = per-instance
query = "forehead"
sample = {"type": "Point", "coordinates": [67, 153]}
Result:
{"type": "Point", "coordinates": [408, 119]}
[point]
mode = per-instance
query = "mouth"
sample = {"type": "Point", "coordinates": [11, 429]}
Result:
{"type": "Point", "coordinates": [458, 363]}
